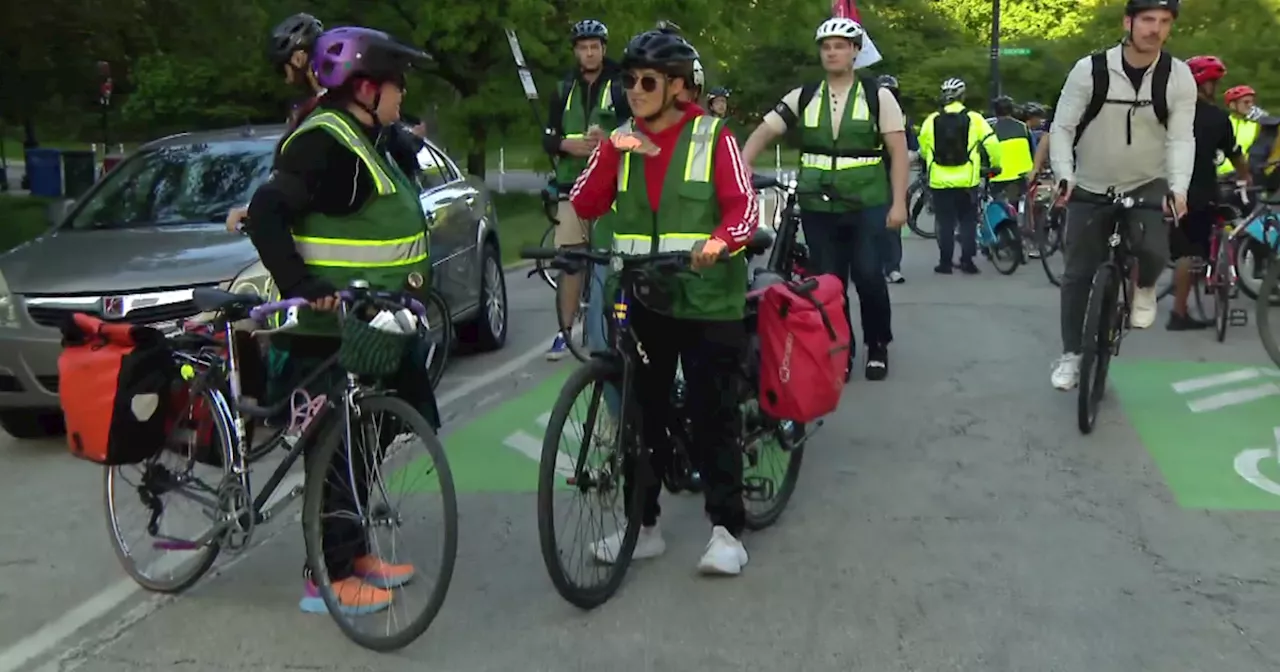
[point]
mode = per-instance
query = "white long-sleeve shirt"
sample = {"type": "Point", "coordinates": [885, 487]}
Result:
{"type": "Point", "coordinates": [1110, 154]}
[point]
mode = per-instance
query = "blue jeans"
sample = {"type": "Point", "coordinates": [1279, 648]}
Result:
{"type": "Point", "coordinates": [846, 244]}
{"type": "Point", "coordinates": [891, 250]}
{"type": "Point", "coordinates": [594, 323]}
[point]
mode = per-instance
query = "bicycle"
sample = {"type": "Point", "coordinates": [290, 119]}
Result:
{"type": "Point", "coordinates": [998, 234]}
{"type": "Point", "coordinates": [1110, 301]}
{"type": "Point", "coordinates": [575, 332]}
{"type": "Point", "coordinates": [214, 412]}
{"type": "Point", "coordinates": [625, 456]}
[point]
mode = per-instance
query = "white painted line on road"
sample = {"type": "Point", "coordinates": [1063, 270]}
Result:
{"type": "Point", "coordinates": [544, 420]}
{"type": "Point", "coordinates": [531, 448]}
{"type": "Point", "coordinates": [1233, 398]}
{"type": "Point", "coordinates": [1217, 379]}
{"type": "Point", "coordinates": [53, 633]}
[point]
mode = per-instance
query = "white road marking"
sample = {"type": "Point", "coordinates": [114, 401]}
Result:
{"type": "Point", "coordinates": [531, 448]}
{"type": "Point", "coordinates": [1205, 382]}
{"type": "Point", "coordinates": [1233, 397]}
{"type": "Point", "coordinates": [53, 633]}
{"type": "Point", "coordinates": [1246, 464]}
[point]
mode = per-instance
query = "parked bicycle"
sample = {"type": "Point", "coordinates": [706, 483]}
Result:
{"type": "Point", "coordinates": [356, 426]}
{"type": "Point", "coordinates": [999, 239]}
{"type": "Point", "coordinates": [920, 203]}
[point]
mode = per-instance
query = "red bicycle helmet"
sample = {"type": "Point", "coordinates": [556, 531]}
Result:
{"type": "Point", "coordinates": [1206, 68]}
{"type": "Point", "coordinates": [1237, 92]}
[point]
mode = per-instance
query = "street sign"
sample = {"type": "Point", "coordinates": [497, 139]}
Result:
{"type": "Point", "coordinates": [1015, 51]}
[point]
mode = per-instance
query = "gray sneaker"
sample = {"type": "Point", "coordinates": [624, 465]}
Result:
{"type": "Point", "coordinates": [895, 277]}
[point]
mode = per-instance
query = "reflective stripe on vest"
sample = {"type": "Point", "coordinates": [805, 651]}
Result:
{"type": "Point", "coordinates": [606, 103]}
{"type": "Point", "coordinates": [349, 253]}
{"type": "Point", "coordinates": [813, 119]}
{"type": "Point", "coordinates": [354, 141]}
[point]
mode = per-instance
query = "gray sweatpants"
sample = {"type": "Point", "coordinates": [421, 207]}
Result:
{"type": "Point", "coordinates": [1085, 245]}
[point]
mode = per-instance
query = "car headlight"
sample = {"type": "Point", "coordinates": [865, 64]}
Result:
{"type": "Point", "coordinates": [8, 306]}
{"type": "Point", "coordinates": [254, 280]}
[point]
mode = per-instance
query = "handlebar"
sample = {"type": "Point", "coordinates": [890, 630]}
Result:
{"type": "Point", "coordinates": [575, 257]}
{"type": "Point", "coordinates": [390, 300]}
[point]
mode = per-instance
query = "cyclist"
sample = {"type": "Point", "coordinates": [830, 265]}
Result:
{"type": "Point", "coordinates": [848, 196]}
{"type": "Point", "coordinates": [589, 104]}
{"type": "Point", "coordinates": [891, 240]}
{"type": "Point", "coordinates": [1017, 149]}
{"type": "Point", "coordinates": [685, 150]}
{"type": "Point", "coordinates": [361, 219]}
{"type": "Point", "coordinates": [949, 144]}
{"type": "Point", "coordinates": [718, 102]}
{"type": "Point", "coordinates": [1125, 148]}
{"type": "Point", "coordinates": [1214, 136]}
{"type": "Point", "coordinates": [1242, 102]}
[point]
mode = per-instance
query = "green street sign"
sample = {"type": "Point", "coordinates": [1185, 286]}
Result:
{"type": "Point", "coordinates": [1015, 51]}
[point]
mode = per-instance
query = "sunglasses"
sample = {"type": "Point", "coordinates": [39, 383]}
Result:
{"type": "Point", "coordinates": [648, 83]}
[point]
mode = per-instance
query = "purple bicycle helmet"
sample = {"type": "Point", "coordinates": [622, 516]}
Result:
{"type": "Point", "coordinates": [342, 54]}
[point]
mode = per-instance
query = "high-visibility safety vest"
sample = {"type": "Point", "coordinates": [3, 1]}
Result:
{"type": "Point", "coordinates": [1245, 132]}
{"type": "Point", "coordinates": [687, 213]}
{"type": "Point", "coordinates": [1016, 159]}
{"type": "Point", "coordinates": [574, 124]}
{"type": "Point", "coordinates": [849, 166]}
{"type": "Point", "coordinates": [382, 243]}
{"type": "Point", "coordinates": [980, 135]}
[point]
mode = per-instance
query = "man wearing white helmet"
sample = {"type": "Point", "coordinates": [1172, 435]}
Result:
{"type": "Point", "coordinates": [846, 126]}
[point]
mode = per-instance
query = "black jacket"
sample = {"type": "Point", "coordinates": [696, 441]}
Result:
{"type": "Point", "coordinates": [610, 71]}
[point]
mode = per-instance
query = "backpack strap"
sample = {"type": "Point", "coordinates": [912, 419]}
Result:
{"type": "Point", "coordinates": [1101, 86]}
{"type": "Point", "coordinates": [871, 91]}
{"type": "Point", "coordinates": [1160, 87]}
{"type": "Point", "coordinates": [807, 92]}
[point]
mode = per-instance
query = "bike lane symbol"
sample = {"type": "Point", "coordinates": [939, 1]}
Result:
{"type": "Point", "coordinates": [1249, 461]}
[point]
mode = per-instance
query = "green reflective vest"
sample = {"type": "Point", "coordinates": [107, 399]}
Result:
{"type": "Point", "coordinates": [688, 213]}
{"type": "Point", "coordinates": [1246, 132]}
{"type": "Point", "coordinates": [851, 165]}
{"type": "Point", "coordinates": [382, 243]}
{"type": "Point", "coordinates": [1016, 159]}
{"type": "Point", "coordinates": [576, 121]}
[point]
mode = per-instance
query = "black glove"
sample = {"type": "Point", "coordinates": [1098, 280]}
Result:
{"type": "Point", "coordinates": [312, 288]}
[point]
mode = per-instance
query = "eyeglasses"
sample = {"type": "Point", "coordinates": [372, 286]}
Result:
{"type": "Point", "coordinates": [648, 83]}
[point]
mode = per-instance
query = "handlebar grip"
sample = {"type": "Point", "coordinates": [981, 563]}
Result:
{"type": "Point", "coordinates": [262, 312]}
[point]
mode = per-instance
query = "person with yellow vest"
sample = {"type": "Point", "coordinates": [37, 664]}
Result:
{"type": "Point", "coordinates": [1017, 151]}
{"type": "Point", "coordinates": [334, 210]}
{"type": "Point", "coordinates": [949, 145]}
{"type": "Point", "coordinates": [1241, 101]}
{"type": "Point", "coordinates": [588, 105]}
{"type": "Point", "coordinates": [674, 180]}
{"type": "Point", "coordinates": [846, 126]}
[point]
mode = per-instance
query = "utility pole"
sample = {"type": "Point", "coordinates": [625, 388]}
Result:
{"type": "Point", "coordinates": [995, 53]}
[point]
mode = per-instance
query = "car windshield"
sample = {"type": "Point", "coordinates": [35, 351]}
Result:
{"type": "Point", "coordinates": [175, 185]}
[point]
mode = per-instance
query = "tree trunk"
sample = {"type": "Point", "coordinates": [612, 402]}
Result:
{"type": "Point", "coordinates": [476, 155]}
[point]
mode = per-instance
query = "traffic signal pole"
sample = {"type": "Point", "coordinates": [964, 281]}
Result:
{"type": "Point", "coordinates": [995, 53]}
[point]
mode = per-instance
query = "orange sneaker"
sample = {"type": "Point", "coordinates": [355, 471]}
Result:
{"type": "Point", "coordinates": [377, 572]}
{"type": "Point", "coordinates": [355, 597]}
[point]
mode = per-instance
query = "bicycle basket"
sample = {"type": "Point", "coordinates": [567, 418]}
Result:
{"type": "Point", "coordinates": [368, 351]}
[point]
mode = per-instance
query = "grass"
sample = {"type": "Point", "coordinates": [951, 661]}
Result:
{"type": "Point", "coordinates": [521, 223]}
{"type": "Point", "coordinates": [21, 219]}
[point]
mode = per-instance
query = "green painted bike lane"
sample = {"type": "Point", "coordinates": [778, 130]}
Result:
{"type": "Point", "coordinates": [1213, 429]}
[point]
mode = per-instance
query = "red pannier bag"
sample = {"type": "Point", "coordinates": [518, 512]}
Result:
{"type": "Point", "coordinates": [115, 385]}
{"type": "Point", "coordinates": [804, 348]}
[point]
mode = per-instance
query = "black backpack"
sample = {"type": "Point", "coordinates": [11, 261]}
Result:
{"type": "Point", "coordinates": [1102, 84]}
{"type": "Point", "coordinates": [951, 138]}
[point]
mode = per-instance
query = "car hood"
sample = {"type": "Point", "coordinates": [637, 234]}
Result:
{"type": "Point", "coordinates": [125, 260]}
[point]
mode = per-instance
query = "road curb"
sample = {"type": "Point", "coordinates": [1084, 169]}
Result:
{"type": "Point", "coordinates": [518, 265]}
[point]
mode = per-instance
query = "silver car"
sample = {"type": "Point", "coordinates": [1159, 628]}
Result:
{"type": "Point", "coordinates": [135, 246]}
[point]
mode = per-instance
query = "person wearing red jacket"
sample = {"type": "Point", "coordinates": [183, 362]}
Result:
{"type": "Point", "coordinates": [685, 187]}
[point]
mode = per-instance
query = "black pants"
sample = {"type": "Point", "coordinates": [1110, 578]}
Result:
{"type": "Point", "coordinates": [956, 213]}
{"type": "Point", "coordinates": [847, 245]}
{"type": "Point", "coordinates": [710, 353]}
{"type": "Point", "coordinates": [343, 536]}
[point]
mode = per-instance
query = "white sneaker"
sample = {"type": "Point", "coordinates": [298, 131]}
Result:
{"type": "Point", "coordinates": [724, 555]}
{"type": "Point", "coordinates": [1066, 372]}
{"type": "Point", "coordinates": [1144, 307]}
{"type": "Point", "coordinates": [648, 545]}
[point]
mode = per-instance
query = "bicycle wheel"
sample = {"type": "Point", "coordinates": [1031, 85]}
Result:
{"type": "Point", "coordinates": [1049, 243]}
{"type": "Point", "coordinates": [361, 474]}
{"type": "Point", "coordinates": [543, 266]}
{"type": "Point", "coordinates": [440, 336]}
{"type": "Point", "coordinates": [1252, 259]}
{"type": "Point", "coordinates": [1222, 269]}
{"type": "Point", "coordinates": [1096, 356]}
{"type": "Point", "coordinates": [921, 203]}
{"type": "Point", "coordinates": [576, 332]}
{"type": "Point", "coordinates": [772, 484]}
{"type": "Point", "coordinates": [570, 467]}
{"type": "Point", "coordinates": [176, 470]}
{"type": "Point", "coordinates": [1006, 254]}
{"type": "Point", "coordinates": [1264, 305]}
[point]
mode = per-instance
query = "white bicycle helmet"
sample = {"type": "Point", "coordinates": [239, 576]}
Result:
{"type": "Point", "coordinates": [698, 76]}
{"type": "Point", "coordinates": [953, 89]}
{"type": "Point", "coordinates": [840, 27]}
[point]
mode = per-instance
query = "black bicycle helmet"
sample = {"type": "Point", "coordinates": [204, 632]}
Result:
{"type": "Point", "coordinates": [663, 51]}
{"type": "Point", "coordinates": [719, 92]}
{"type": "Point", "coordinates": [1004, 106]}
{"type": "Point", "coordinates": [1032, 109]}
{"type": "Point", "coordinates": [887, 82]}
{"type": "Point", "coordinates": [1132, 7]}
{"type": "Point", "coordinates": [590, 29]}
{"type": "Point", "coordinates": [296, 33]}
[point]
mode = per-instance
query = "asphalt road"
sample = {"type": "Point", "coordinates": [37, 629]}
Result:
{"type": "Point", "coordinates": [949, 518]}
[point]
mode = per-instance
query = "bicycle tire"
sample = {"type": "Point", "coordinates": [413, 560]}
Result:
{"type": "Point", "coordinates": [1009, 242]}
{"type": "Point", "coordinates": [440, 328]}
{"type": "Point", "coordinates": [1263, 311]}
{"type": "Point", "coordinates": [762, 520]}
{"type": "Point", "coordinates": [595, 371]}
{"type": "Point", "coordinates": [576, 334]}
{"type": "Point", "coordinates": [548, 241]}
{"type": "Point", "coordinates": [223, 430]}
{"type": "Point", "coordinates": [1222, 286]}
{"type": "Point", "coordinates": [1250, 248]}
{"type": "Point", "coordinates": [918, 203]}
{"type": "Point", "coordinates": [1095, 356]}
{"type": "Point", "coordinates": [327, 446]}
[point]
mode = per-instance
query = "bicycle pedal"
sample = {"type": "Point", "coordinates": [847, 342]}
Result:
{"type": "Point", "coordinates": [1238, 317]}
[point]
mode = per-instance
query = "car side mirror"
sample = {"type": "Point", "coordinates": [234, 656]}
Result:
{"type": "Point", "coordinates": [58, 210]}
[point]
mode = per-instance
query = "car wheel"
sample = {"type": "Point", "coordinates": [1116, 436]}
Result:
{"type": "Point", "coordinates": [488, 330]}
{"type": "Point", "coordinates": [32, 424]}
